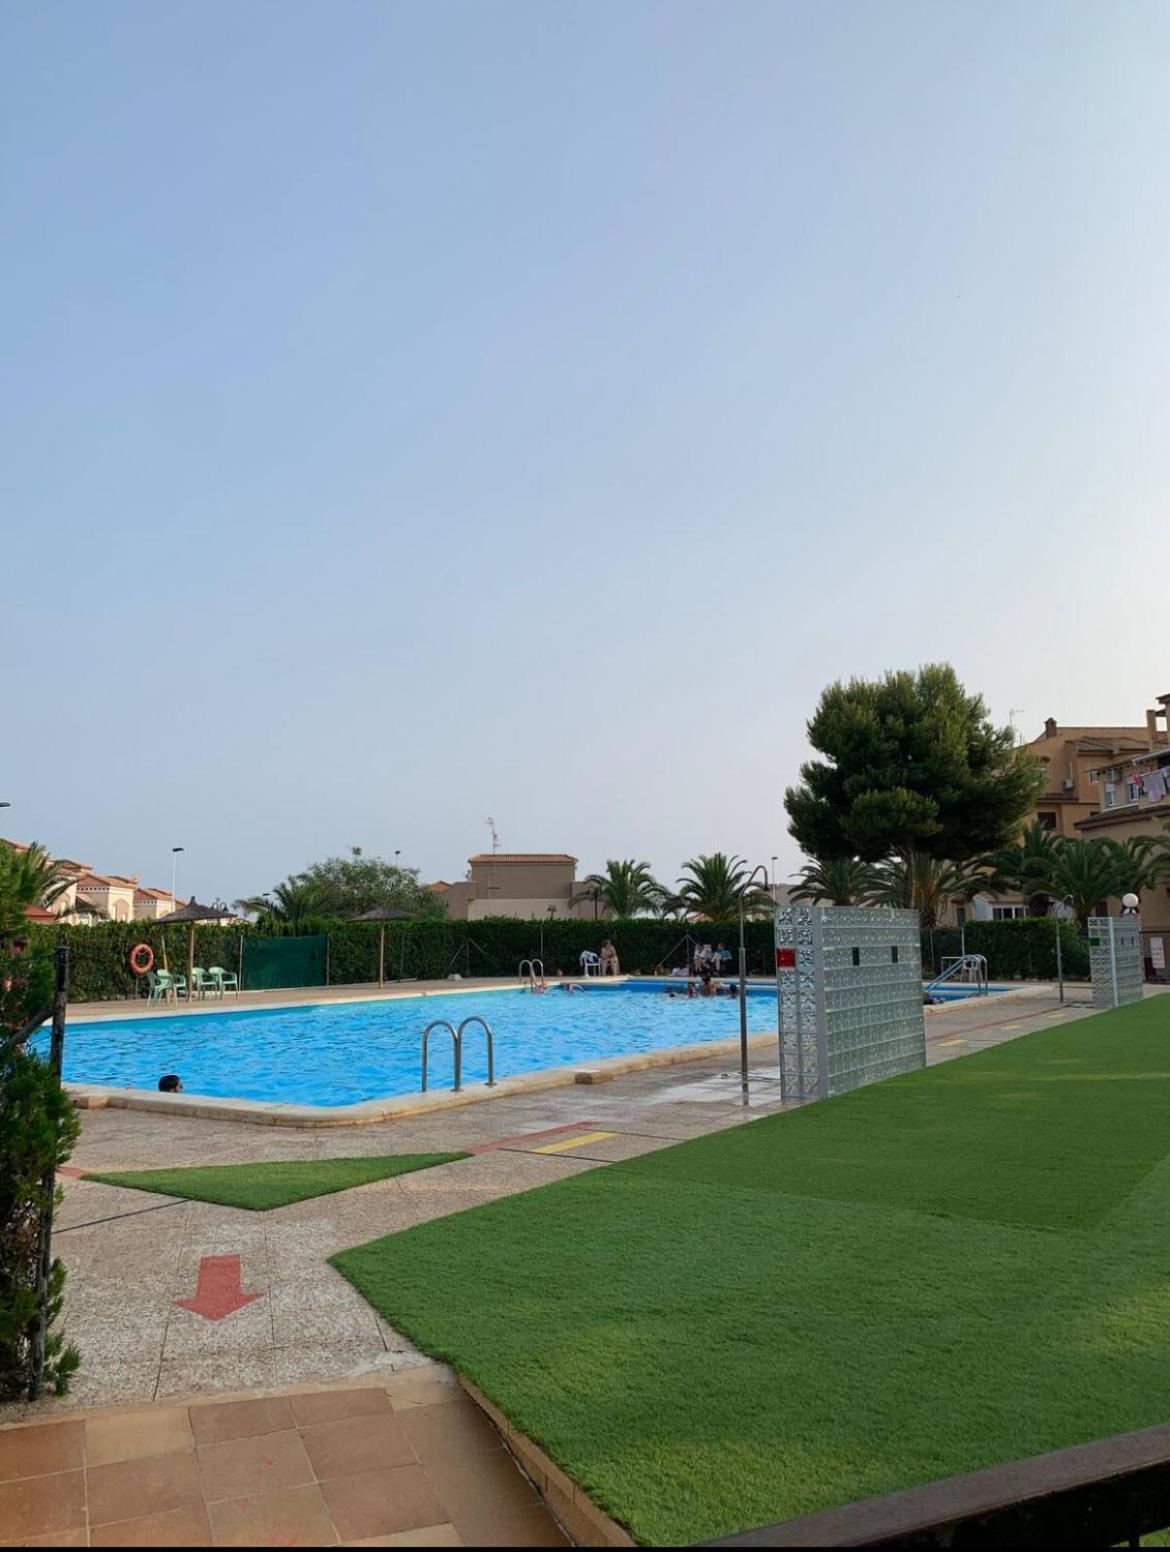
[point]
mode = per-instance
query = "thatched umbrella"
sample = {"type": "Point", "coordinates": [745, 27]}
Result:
{"type": "Point", "coordinates": [382, 914]}
{"type": "Point", "coordinates": [191, 913]}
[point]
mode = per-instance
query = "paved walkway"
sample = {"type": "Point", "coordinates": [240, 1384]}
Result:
{"type": "Point", "coordinates": [287, 997]}
{"type": "Point", "coordinates": [409, 1461]}
{"type": "Point", "coordinates": [131, 1256]}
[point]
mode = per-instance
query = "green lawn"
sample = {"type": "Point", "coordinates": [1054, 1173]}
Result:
{"type": "Point", "coordinates": [260, 1187]}
{"type": "Point", "coordinates": [958, 1267]}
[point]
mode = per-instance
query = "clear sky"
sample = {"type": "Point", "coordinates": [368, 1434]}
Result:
{"type": "Point", "coordinates": [416, 412]}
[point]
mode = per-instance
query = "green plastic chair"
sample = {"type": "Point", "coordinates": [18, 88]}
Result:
{"type": "Point", "coordinates": [170, 983]}
{"type": "Point", "coordinates": [224, 980]}
{"type": "Point", "coordinates": [202, 981]}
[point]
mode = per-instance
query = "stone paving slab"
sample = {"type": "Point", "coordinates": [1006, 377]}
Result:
{"type": "Point", "coordinates": [405, 1460]}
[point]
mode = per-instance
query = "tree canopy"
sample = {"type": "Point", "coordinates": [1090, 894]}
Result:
{"type": "Point", "coordinates": [911, 763]}
{"type": "Point", "coordinates": [345, 887]}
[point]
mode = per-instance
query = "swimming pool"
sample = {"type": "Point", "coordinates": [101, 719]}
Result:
{"type": "Point", "coordinates": [344, 1053]}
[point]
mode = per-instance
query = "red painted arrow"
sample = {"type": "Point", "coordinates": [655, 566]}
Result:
{"type": "Point", "coordinates": [218, 1292]}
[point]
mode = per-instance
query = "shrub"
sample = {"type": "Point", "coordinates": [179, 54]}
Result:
{"type": "Point", "coordinates": [1020, 950]}
{"type": "Point", "coordinates": [38, 1128]}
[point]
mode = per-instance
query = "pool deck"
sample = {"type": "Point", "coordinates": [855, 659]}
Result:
{"type": "Point", "coordinates": [284, 1423]}
{"type": "Point", "coordinates": [131, 1255]}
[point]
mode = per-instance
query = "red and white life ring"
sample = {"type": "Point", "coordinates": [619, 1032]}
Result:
{"type": "Point", "coordinates": [141, 958]}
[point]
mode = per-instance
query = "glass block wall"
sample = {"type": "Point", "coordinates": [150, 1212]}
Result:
{"type": "Point", "coordinates": [1115, 960]}
{"type": "Point", "coordinates": [850, 982]}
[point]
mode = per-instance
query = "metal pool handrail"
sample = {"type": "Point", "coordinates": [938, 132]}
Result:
{"type": "Point", "coordinates": [533, 965]}
{"type": "Point", "coordinates": [454, 1033]}
{"type": "Point", "coordinates": [964, 965]}
{"type": "Point", "coordinates": [476, 1018]}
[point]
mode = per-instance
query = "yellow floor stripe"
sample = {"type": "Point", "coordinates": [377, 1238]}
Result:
{"type": "Point", "coordinates": [1009, 1026]}
{"type": "Point", "coordinates": [574, 1142]}
{"type": "Point", "coordinates": [950, 1042]}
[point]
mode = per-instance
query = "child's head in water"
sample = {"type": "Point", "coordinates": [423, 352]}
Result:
{"type": "Point", "coordinates": [170, 1083]}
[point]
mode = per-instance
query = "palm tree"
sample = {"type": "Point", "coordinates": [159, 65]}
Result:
{"type": "Point", "coordinates": [27, 878]}
{"type": "Point", "coordinates": [715, 887]}
{"type": "Point", "coordinates": [1086, 873]}
{"type": "Point", "coordinates": [1027, 866]}
{"type": "Point", "coordinates": [626, 888]}
{"type": "Point", "coordinates": [290, 904]}
{"type": "Point", "coordinates": [929, 883]}
{"type": "Point", "coordinates": [1143, 861]}
{"type": "Point", "coordinates": [839, 881]}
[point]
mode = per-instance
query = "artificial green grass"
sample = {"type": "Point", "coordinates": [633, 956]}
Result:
{"type": "Point", "coordinates": [259, 1187]}
{"type": "Point", "coordinates": [963, 1266]}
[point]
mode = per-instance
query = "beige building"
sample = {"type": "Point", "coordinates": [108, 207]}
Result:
{"type": "Point", "coordinates": [515, 883]}
{"type": "Point", "coordinates": [106, 895]}
{"type": "Point", "coordinates": [1072, 757]}
{"type": "Point", "coordinates": [1101, 781]}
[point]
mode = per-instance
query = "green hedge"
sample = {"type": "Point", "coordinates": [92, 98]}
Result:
{"type": "Point", "coordinates": [1021, 950]}
{"type": "Point", "coordinates": [432, 950]}
{"type": "Point", "coordinates": [422, 950]}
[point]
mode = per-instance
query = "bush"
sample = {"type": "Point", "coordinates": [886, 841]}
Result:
{"type": "Point", "coordinates": [38, 1128]}
{"type": "Point", "coordinates": [1020, 950]}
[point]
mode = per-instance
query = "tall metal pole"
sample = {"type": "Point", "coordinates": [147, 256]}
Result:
{"type": "Point", "coordinates": [743, 1037]}
{"type": "Point", "coordinates": [743, 1046]}
{"type": "Point", "coordinates": [1059, 960]}
{"type": "Point", "coordinates": [49, 1181]}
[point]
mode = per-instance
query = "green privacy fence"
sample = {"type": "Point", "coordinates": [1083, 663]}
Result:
{"type": "Point", "coordinates": [267, 963]}
{"type": "Point", "coordinates": [346, 953]}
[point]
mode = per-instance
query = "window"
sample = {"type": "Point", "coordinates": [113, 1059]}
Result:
{"type": "Point", "coordinates": [1046, 821]}
{"type": "Point", "coordinates": [1110, 795]}
{"type": "Point", "coordinates": [1133, 789]}
{"type": "Point", "coordinates": [1008, 912]}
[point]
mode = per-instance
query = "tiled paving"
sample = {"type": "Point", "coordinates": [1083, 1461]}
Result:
{"type": "Point", "coordinates": [409, 1461]}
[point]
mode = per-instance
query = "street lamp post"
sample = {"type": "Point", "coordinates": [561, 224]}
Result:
{"type": "Point", "coordinates": [175, 850]}
{"type": "Point", "coordinates": [743, 1038]}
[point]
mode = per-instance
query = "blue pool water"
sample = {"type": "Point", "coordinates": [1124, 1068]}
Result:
{"type": "Point", "coordinates": [342, 1053]}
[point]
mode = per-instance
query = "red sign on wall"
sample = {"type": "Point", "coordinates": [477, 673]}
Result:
{"type": "Point", "coordinates": [786, 959]}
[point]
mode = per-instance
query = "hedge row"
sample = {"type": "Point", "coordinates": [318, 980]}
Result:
{"type": "Point", "coordinates": [432, 950]}
{"type": "Point", "coordinates": [1021, 950]}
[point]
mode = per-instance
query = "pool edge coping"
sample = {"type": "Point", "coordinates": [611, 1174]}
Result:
{"type": "Point", "coordinates": [93, 1096]}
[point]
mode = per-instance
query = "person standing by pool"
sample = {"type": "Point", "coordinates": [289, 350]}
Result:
{"type": "Point", "coordinates": [609, 959]}
{"type": "Point", "coordinates": [722, 959]}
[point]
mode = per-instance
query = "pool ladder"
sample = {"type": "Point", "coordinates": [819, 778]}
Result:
{"type": "Point", "coordinates": [964, 968]}
{"type": "Point", "coordinates": [457, 1038]}
{"type": "Point", "coordinates": [535, 973]}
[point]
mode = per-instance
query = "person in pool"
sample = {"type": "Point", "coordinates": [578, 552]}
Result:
{"type": "Point", "coordinates": [170, 1083]}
